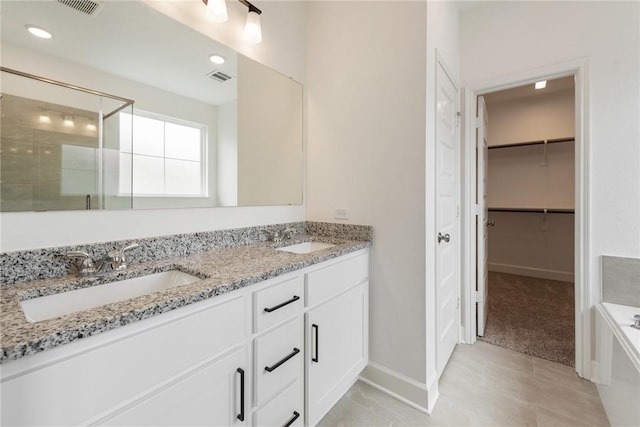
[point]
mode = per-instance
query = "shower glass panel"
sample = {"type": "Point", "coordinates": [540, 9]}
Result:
{"type": "Point", "coordinates": [57, 147]}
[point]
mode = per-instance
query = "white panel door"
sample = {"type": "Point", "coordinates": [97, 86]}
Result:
{"type": "Point", "coordinates": [482, 238]}
{"type": "Point", "coordinates": [446, 218]}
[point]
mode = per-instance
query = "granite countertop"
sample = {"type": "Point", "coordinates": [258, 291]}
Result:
{"type": "Point", "coordinates": [221, 270]}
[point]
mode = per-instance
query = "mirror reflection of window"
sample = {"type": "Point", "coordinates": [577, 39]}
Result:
{"type": "Point", "coordinates": [79, 168]}
{"type": "Point", "coordinates": [169, 156]}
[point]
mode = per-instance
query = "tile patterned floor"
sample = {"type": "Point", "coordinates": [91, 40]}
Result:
{"type": "Point", "coordinates": [483, 385]}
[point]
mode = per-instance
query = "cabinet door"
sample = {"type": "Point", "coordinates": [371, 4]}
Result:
{"type": "Point", "coordinates": [336, 349]}
{"type": "Point", "coordinates": [207, 397]}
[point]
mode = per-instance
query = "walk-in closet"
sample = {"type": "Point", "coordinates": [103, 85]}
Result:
{"type": "Point", "coordinates": [530, 198]}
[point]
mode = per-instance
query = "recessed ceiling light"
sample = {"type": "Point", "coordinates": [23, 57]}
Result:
{"type": "Point", "coordinates": [38, 32]}
{"type": "Point", "coordinates": [217, 59]}
{"type": "Point", "coordinates": [541, 85]}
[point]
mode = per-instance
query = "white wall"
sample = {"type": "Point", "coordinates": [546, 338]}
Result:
{"type": "Point", "coordinates": [524, 177]}
{"type": "Point", "coordinates": [283, 27]}
{"type": "Point", "coordinates": [532, 244]}
{"type": "Point", "coordinates": [366, 147]}
{"type": "Point", "coordinates": [227, 167]}
{"type": "Point", "coordinates": [532, 118]}
{"type": "Point", "coordinates": [500, 39]}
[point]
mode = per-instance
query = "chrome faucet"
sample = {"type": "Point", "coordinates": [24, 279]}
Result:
{"type": "Point", "coordinates": [86, 267]}
{"type": "Point", "coordinates": [114, 261]}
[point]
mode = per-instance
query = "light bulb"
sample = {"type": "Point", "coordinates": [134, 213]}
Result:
{"type": "Point", "coordinates": [38, 32]}
{"type": "Point", "coordinates": [68, 121]}
{"type": "Point", "coordinates": [217, 10]}
{"type": "Point", "coordinates": [44, 117]}
{"type": "Point", "coordinates": [252, 30]}
{"type": "Point", "coordinates": [217, 59]}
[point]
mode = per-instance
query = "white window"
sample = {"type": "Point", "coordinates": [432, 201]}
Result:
{"type": "Point", "coordinates": [169, 156]}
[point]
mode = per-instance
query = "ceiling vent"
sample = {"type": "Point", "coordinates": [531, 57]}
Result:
{"type": "Point", "coordinates": [219, 76]}
{"type": "Point", "coordinates": [88, 7]}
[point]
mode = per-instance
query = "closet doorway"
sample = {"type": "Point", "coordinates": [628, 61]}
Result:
{"type": "Point", "coordinates": [529, 197]}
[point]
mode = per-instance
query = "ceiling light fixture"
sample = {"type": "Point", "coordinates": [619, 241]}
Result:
{"type": "Point", "coordinates": [38, 32]}
{"type": "Point", "coordinates": [217, 10]}
{"type": "Point", "coordinates": [217, 59]}
{"type": "Point", "coordinates": [44, 117]}
{"type": "Point", "coordinates": [68, 121]}
{"type": "Point", "coordinates": [91, 126]}
{"type": "Point", "coordinates": [252, 29]}
{"type": "Point", "coordinates": [541, 85]}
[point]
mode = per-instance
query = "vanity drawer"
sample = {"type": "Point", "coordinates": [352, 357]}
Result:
{"type": "Point", "coordinates": [326, 282]}
{"type": "Point", "coordinates": [277, 303]}
{"type": "Point", "coordinates": [284, 410]}
{"type": "Point", "coordinates": [278, 360]}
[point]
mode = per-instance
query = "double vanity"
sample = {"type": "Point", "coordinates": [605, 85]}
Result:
{"type": "Point", "coordinates": [260, 333]}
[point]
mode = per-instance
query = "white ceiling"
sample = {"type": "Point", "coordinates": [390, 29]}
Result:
{"type": "Point", "coordinates": [128, 39]}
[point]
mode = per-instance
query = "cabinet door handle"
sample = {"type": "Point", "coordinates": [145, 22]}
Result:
{"type": "Point", "coordinates": [275, 307]}
{"type": "Point", "coordinates": [293, 419]}
{"type": "Point", "coordinates": [287, 357]}
{"type": "Point", "coordinates": [240, 416]}
{"type": "Point", "coordinates": [316, 358]}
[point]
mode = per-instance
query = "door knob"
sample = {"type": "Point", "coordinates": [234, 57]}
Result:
{"type": "Point", "coordinates": [444, 237]}
{"type": "Point", "coordinates": [491, 223]}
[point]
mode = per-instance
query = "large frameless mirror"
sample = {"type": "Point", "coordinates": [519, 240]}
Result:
{"type": "Point", "coordinates": [195, 134]}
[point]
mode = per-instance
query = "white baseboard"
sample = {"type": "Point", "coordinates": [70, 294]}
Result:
{"type": "Point", "coordinates": [399, 386]}
{"type": "Point", "coordinates": [540, 273]}
{"type": "Point", "coordinates": [596, 375]}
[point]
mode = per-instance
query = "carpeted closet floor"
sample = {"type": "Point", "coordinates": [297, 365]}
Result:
{"type": "Point", "coordinates": [532, 316]}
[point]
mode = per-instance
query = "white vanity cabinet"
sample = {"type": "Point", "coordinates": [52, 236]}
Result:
{"type": "Point", "coordinates": [185, 362]}
{"type": "Point", "coordinates": [336, 323]}
{"type": "Point", "coordinates": [280, 352]}
{"type": "Point", "coordinates": [209, 396]}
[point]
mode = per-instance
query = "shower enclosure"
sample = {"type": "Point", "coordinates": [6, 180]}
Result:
{"type": "Point", "coordinates": [60, 146]}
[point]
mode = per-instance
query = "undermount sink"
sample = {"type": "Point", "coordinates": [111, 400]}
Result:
{"type": "Point", "coordinates": [50, 306]}
{"type": "Point", "coordinates": [305, 247]}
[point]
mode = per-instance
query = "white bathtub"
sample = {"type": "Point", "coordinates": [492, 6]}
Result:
{"type": "Point", "coordinates": [618, 362]}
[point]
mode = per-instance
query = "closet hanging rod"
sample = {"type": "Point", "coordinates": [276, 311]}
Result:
{"type": "Point", "coordinates": [540, 210]}
{"type": "Point", "coordinates": [518, 144]}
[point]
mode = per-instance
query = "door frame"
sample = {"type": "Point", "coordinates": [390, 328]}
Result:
{"type": "Point", "coordinates": [585, 294]}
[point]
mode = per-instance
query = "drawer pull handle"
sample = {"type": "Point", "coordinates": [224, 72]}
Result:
{"type": "Point", "coordinates": [316, 358]}
{"type": "Point", "coordinates": [240, 416]}
{"type": "Point", "coordinates": [293, 419]}
{"type": "Point", "coordinates": [275, 307]}
{"type": "Point", "coordinates": [287, 357]}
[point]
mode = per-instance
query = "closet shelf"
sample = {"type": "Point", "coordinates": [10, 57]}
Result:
{"type": "Point", "coordinates": [518, 144]}
{"type": "Point", "coordinates": [541, 210]}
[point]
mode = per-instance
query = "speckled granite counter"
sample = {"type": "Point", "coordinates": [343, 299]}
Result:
{"type": "Point", "coordinates": [221, 270]}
